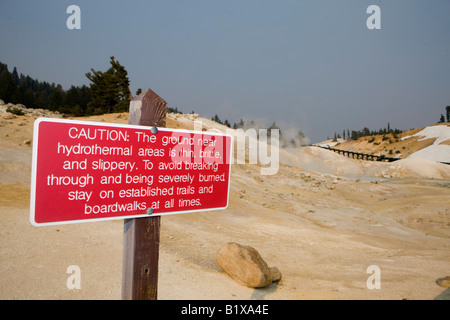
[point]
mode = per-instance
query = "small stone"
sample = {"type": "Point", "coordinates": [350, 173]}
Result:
{"type": "Point", "coordinates": [258, 178]}
{"type": "Point", "coordinates": [444, 282]}
{"type": "Point", "coordinates": [8, 116]}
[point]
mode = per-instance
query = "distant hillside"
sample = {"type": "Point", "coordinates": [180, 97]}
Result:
{"type": "Point", "coordinates": [431, 143]}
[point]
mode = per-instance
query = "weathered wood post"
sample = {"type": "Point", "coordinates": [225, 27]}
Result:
{"type": "Point", "coordinates": [141, 236]}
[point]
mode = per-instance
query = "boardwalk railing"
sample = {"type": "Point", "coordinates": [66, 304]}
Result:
{"type": "Point", "coordinates": [365, 156]}
{"type": "Point", "coordinates": [361, 156]}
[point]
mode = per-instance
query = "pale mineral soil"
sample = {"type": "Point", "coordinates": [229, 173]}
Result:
{"type": "Point", "coordinates": [321, 230]}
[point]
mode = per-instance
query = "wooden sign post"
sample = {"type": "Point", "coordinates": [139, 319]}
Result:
{"type": "Point", "coordinates": [84, 171]}
{"type": "Point", "coordinates": [141, 236]}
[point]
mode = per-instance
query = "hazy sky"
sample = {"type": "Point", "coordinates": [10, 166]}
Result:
{"type": "Point", "coordinates": [309, 65]}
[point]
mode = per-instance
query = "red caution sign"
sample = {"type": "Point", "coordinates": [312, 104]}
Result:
{"type": "Point", "coordinates": [85, 171]}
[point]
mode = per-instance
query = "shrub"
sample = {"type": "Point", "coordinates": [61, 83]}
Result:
{"type": "Point", "coordinates": [16, 111]}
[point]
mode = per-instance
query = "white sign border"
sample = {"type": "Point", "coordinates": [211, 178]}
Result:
{"type": "Point", "coordinates": [105, 124]}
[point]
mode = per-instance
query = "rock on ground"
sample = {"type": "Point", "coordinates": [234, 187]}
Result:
{"type": "Point", "coordinates": [444, 282]}
{"type": "Point", "coordinates": [245, 265]}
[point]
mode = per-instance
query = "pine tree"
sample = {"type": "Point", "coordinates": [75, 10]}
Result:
{"type": "Point", "coordinates": [122, 86]}
{"type": "Point", "coordinates": [335, 138]}
{"type": "Point", "coordinates": [56, 99]}
{"type": "Point", "coordinates": [7, 86]}
{"type": "Point", "coordinates": [29, 99]}
{"type": "Point", "coordinates": [17, 96]}
{"type": "Point", "coordinates": [448, 113]}
{"type": "Point", "coordinates": [15, 76]}
{"type": "Point", "coordinates": [109, 90]}
{"type": "Point", "coordinates": [274, 126]}
{"type": "Point", "coordinates": [216, 119]}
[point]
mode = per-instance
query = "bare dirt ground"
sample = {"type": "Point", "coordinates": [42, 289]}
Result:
{"type": "Point", "coordinates": [321, 229]}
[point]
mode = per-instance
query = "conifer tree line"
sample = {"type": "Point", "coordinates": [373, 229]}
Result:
{"type": "Point", "coordinates": [108, 92]}
{"type": "Point", "coordinates": [356, 134]}
{"type": "Point", "coordinates": [447, 112]}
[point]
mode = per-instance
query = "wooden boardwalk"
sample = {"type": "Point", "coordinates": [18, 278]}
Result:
{"type": "Point", "coordinates": [361, 156]}
{"type": "Point", "coordinates": [365, 156]}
